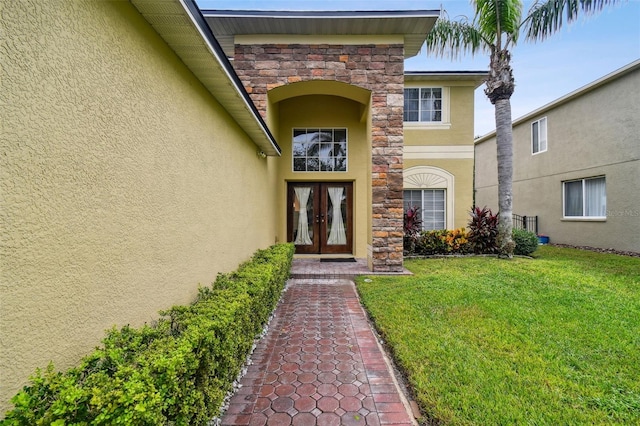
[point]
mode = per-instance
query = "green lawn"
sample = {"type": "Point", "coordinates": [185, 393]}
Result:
{"type": "Point", "coordinates": [553, 340]}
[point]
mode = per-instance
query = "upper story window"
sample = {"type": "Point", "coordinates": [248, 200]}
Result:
{"type": "Point", "coordinates": [539, 136]}
{"type": "Point", "coordinates": [585, 198]}
{"type": "Point", "coordinates": [423, 104]}
{"type": "Point", "coordinates": [319, 150]}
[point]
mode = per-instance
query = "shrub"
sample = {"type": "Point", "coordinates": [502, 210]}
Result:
{"type": "Point", "coordinates": [458, 241]}
{"type": "Point", "coordinates": [431, 242]}
{"type": "Point", "coordinates": [411, 227]}
{"type": "Point", "coordinates": [443, 242]}
{"type": "Point", "coordinates": [526, 242]}
{"type": "Point", "coordinates": [483, 230]}
{"type": "Point", "coordinates": [176, 372]}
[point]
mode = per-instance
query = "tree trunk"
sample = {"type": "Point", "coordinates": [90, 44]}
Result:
{"type": "Point", "coordinates": [500, 87]}
{"type": "Point", "coordinates": [504, 145]}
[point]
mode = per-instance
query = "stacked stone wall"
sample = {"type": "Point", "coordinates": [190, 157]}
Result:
{"type": "Point", "coordinates": [377, 68]}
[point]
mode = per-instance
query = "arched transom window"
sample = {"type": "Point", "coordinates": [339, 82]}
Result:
{"type": "Point", "coordinates": [432, 190]}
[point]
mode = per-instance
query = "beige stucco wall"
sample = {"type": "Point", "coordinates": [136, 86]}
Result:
{"type": "Point", "coordinates": [458, 129]}
{"type": "Point", "coordinates": [310, 111]}
{"type": "Point", "coordinates": [595, 134]}
{"type": "Point", "coordinates": [123, 182]}
{"type": "Point", "coordinates": [447, 146]}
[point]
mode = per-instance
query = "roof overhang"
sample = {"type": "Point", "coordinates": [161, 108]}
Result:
{"type": "Point", "coordinates": [477, 77]}
{"type": "Point", "coordinates": [412, 25]}
{"type": "Point", "coordinates": [183, 28]}
{"type": "Point", "coordinates": [629, 68]}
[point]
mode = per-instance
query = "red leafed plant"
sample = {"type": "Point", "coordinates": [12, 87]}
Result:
{"type": "Point", "coordinates": [412, 227]}
{"type": "Point", "coordinates": [484, 230]}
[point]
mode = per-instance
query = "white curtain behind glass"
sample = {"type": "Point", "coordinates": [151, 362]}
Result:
{"type": "Point", "coordinates": [303, 238]}
{"type": "Point", "coordinates": [596, 198]}
{"type": "Point", "coordinates": [573, 198]}
{"type": "Point", "coordinates": [337, 235]}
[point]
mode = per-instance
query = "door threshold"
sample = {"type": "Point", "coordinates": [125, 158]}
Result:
{"type": "Point", "coordinates": [325, 256]}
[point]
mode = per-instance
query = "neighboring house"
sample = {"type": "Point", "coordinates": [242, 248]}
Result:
{"type": "Point", "coordinates": [576, 164]}
{"type": "Point", "coordinates": [137, 162]}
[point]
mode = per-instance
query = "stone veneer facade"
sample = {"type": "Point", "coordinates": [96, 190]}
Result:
{"type": "Point", "coordinates": [378, 68]}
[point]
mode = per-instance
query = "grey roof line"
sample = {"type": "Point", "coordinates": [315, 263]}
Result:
{"type": "Point", "coordinates": [614, 75]}
{"type": "Point", "coordinates": [183, 28]}
{"type": "Point", "coordinates": [466, 72]}
{"type": "Point", "coordinates": [321, 13]}
{"type": "Point", "coordinates": [207, 34]}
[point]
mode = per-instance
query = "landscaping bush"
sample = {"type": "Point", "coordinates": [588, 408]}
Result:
{"type": "Point", "coordinates": [431, 242]}
{"type": "Point", "coordinates": [175, 372]}
{"type": "Point", "coordinates": [443, 242]}
{"type": "Point", "coordinates": [526, 242]}
{"type": "Point", "coordinates": [458, 241]}
{"type": "Point", "coordinates": [483, 233]}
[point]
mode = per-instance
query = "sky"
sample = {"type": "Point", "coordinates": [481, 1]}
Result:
{"type": "Point", "coordinates": [580, 53]}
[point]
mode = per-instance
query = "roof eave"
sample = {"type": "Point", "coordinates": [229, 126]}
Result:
{"type": "Point", "coordinates": [230, 23]}
{"type": "Point", "coordinates": [183, 28]}
{"type": "Point", "coordinates": [477, 77]}
{"type": "Point", "coordinates": [327, 14]}
{"type": "Point", "coordinates": [635, 65]}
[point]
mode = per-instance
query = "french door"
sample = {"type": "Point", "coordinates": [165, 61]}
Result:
{"type": "Point", "coordinates": [319, 217]}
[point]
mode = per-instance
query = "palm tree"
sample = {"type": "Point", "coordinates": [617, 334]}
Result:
{"type": "Point", "coordinates": [495, 29]}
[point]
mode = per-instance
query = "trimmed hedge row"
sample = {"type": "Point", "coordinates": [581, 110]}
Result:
{"type": "Point", "coordinates": [175, 372]}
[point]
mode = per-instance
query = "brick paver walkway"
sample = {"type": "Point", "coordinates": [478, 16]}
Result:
{"type": "Point", "coordinates": [319, 364]}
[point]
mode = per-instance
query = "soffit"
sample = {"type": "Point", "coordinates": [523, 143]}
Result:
{"type": "Point", "coordinates": [413, 25]}
{"type": "Point", "coordinates": [477, 77]}
{"type": "Point", "coordinates": [183, 28]}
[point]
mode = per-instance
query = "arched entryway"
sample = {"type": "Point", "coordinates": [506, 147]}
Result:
{"type": "Point", "coordinates": [323, 129]}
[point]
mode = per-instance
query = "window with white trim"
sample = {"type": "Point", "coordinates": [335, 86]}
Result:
{"type": "Point", "coordinates": [539, 136]}
{"type": "Point", "coordinates": [423, 104]}
{"type": "Point", "coordinates": [585, 198]}
{"type": "Point", "coordinates": [432, 204]}
{"type": "Point", "coordinates": [319, 150]}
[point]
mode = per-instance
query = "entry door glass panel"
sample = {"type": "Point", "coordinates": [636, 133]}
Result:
{"type": "Point", "coordinates": [319, 217]}
{"type": "Point", "coordinates": [336, 216]}
{"type": "Point", "coordinates": [303, 217]}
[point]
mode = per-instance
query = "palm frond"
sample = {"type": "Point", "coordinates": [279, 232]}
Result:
{"type": "Point", "coordinates": [547, 17]}
{"type": "Point", "coordinates": [452, 39]}
{"type": "Point", "coordinates": [498, 17]}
